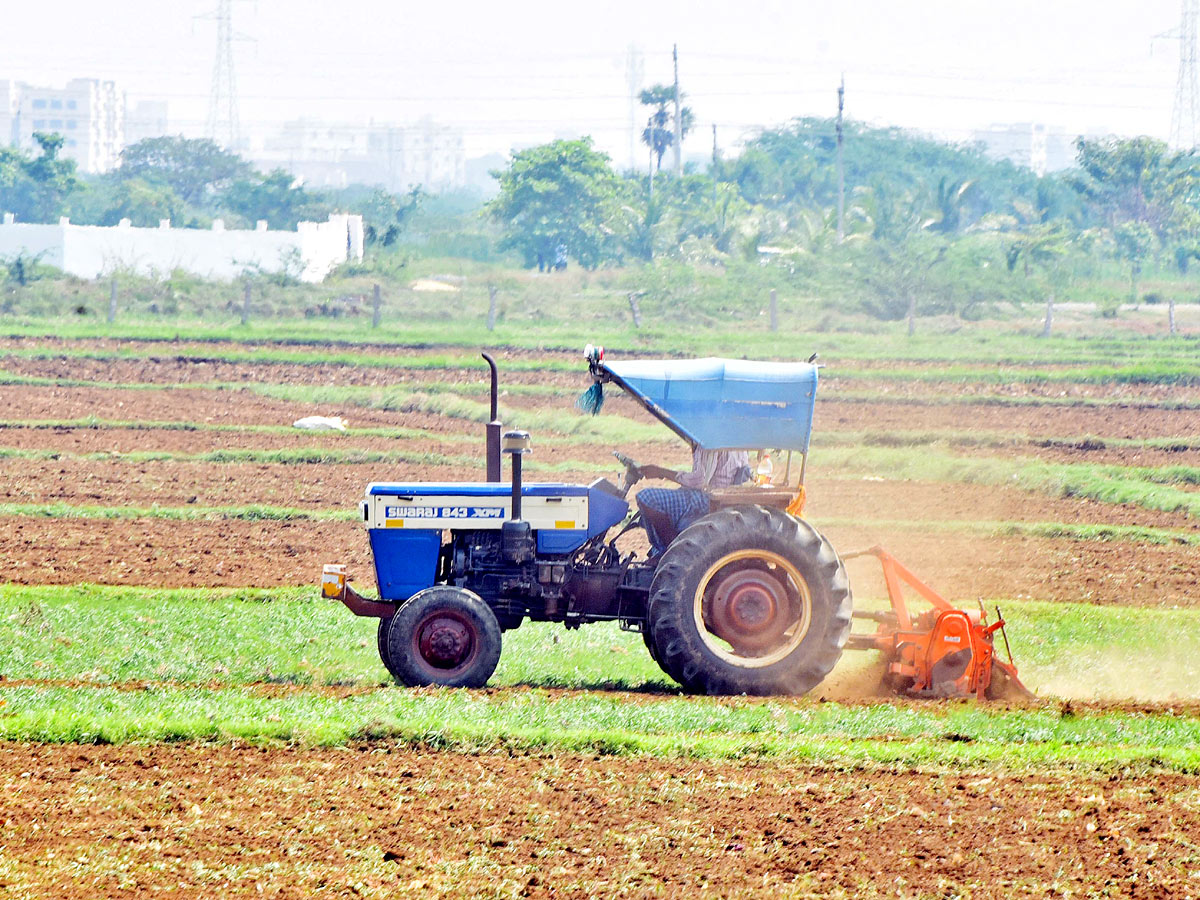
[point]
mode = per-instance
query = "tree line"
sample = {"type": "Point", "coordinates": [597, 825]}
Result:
{"type": "Point", "coordinates": [922, 217]}
{"type": "Point", "coordinates": [189, 181]}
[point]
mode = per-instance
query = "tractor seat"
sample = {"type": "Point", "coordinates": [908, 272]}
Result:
{"type": "Point", "coordinates": [744, 495]}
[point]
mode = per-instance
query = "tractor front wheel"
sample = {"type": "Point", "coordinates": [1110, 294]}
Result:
{"type": "Point", "coordinates": [442, 635]}
{"type": "Point", "coordinates": [749, 600]}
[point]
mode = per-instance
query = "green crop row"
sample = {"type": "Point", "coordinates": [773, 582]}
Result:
{"type": "Point", "coordinates": [1179, 371]}
{"type": "Point", "coordinates": [88, 663]}
{"type": "Point", "coordinates": [883, 343]}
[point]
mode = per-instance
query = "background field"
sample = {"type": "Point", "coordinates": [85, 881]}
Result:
{"type": "Point", "coordinates": [163, 525]}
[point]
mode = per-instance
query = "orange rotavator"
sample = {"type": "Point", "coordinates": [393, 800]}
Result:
{"type": "Point", "coordinates": [749, 598]}
{"type": "Point", "coordinates": [942, 652]}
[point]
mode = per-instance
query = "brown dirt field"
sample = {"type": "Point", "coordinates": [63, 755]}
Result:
{"type": "Point", "coordinates": [964, 569]}
{"type": "Point", "coordinates": [918, 390]}
{"type": "Point", "coordinates": [219, 553]}
{"type": "Point", "coordinates": [170, 369]}
{"type": "Point", "coordinates": [168, 483]}
{"type": "Point", "coordinates": [202, 553]}
{"type": "Point", "coordinates": [1105, 456]}
{"type": "Point", "coordinates": [1129, 421]}
{"type": "Point", "coordinates": [1132, 420]}
{"type": "Point", "coordinates": [190, 370]}
{"type": "Point", "coordinates": [158, 552]}
{"type": "Point", "coordinates": [219, 822]}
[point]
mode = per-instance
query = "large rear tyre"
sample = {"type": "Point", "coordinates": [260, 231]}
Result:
{"type": "Point", "coordinates": [442, 635]}
{"type": "Point", "coordinates": [749, 600]}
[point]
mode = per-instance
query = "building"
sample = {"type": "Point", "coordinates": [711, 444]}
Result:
{"type": "Point", "coordinates": [88, 113]}
{"type": "Point", "coordinates": [147, 119]}
{"type": "Point", "coordinates": [1029, 144]}
{"type": "Point", "coordinates": [393, 157]}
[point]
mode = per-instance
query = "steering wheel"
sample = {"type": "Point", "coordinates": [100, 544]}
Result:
{"type": "Point", "coordinates": [633, 472]}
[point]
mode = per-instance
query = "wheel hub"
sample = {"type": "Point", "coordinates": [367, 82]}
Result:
{"type": "Point", "coordinates": [445, 642]}
{"type": "Point", "coordinates": [749, 610]}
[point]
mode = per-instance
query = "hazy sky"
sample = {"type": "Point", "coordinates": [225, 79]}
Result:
{"type": "Point", "coordinates": [519, 73]}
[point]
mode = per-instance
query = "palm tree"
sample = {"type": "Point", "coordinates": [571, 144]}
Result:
{"type": "Point", "coordinates": [659, 133]}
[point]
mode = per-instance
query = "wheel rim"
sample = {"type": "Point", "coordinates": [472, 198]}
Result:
{"type": "Point", "coordinates": [752, 608]}
{"type": "Point", "coordinates": [446, 641]}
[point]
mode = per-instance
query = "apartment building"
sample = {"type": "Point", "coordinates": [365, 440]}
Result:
{"type": "Point", "coordinates": [88, 113]}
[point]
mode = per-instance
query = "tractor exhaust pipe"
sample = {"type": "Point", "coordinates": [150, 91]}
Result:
{"type": "Point", "coordinates": [492, 428]}
{"type": "Point", "coordinates": [516, 537]}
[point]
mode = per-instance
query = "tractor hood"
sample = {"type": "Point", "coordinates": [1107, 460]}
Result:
{"type": "Point", "coordinates": [724, 404]}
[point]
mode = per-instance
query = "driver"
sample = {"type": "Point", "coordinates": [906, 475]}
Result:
{"type": "Point", "coordinates": [667, 511]}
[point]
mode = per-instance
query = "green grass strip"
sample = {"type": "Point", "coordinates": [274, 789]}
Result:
{"type": "Point", "coordinates": [1182, 371]}
{"type": "Point", "coordinates": [886, 342]}
{"type": "Point", "coordinates": [193, 651]}
{"type": "Point", "coordinates": [828, 733]}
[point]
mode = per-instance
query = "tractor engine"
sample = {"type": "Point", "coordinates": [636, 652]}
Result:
{"type": "Point", "coordinates": [476, 560]}
{"type": "Point", "coordinates": [571, 589]}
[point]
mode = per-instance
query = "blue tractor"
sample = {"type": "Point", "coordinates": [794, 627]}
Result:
{"type": "Point", "coordinates": [750, 598]}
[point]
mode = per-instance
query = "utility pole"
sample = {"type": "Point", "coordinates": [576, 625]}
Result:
{"type": "Point", "coordinates": [715, 161]}
{"type": "Point", "coordinates": [678, 119]}
{"type": "Point", "coordinates": [634, 70]}
{"type": "Point", "coordinates": [841, 166]}
{"type": "Point", "coordinates": [651, 168]}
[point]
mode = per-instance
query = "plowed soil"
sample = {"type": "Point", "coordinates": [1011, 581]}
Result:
{"type": "Point", "coordinates": [220, 822]}
{"type": "Point", "coordinates": [955, 552]}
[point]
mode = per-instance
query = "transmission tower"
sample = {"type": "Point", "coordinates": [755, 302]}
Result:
{"type": "Point", "coordinates": [1185, 118]}
{"type": "Point", "coordinates": [223, 126]}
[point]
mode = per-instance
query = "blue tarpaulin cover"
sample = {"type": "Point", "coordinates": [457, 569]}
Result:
{"type": "Point", "coordinates": [727, 404]}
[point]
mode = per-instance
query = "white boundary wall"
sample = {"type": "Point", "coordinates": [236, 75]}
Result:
{"type": "Point", "coordinates": [89, 251]}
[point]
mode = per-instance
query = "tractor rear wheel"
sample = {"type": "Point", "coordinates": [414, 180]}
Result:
{"type": "Point", "coordinates": [442, 635]}
{"type": "Point", "coordinates": [749, 600]}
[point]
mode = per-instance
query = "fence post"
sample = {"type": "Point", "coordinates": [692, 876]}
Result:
{"type": "Point", "coordinates": [246, 303]}
{"type": "Point", "coordinates": [635, 308]}
{"type": "Point", "coordinates": [491, 320]}
{"type": "Point", "coordinates": [378, 302]}
{"type": "Point", "coordinates": [774, 312]}
{"type": "Point", "coordinates": [1171, 316]}
{"type": "Point", "coordinates": [112, 301]}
